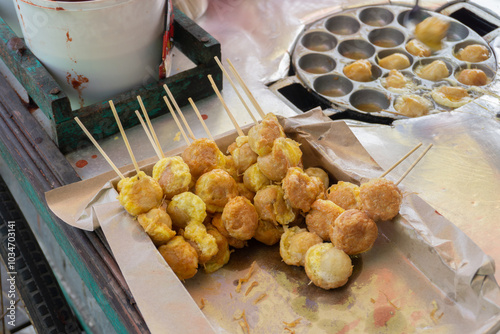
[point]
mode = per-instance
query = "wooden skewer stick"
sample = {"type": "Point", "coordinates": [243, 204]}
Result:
{"type": "Point", "coordinates": [245, 88]}
{"type": "Point", "coordinates": [401, 160]}
{"type": "Point", "coordinates": [414, 164]}
{"type": "Point", "coordinates": [201, 119]}
{"type": "Point", "coordinates": [235, 89]}
{"type": "Point", "coordinates": [99, 148]}
{"type": "Point", "coordinates": [112, 105]}
{"type": "Point", "coordinates": [176, 120]}
{"type": "Point", "coordinates": [150, 126]}
{"type": "Point", "coordinates": [214, 86]}
{"type": "Point", "coordinates": [151, 140]}
{"type": "Point", "coordinates": [176, 106]}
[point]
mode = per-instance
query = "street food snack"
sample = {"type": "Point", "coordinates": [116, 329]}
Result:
{"type": "Point", "coordinates": [223, 253]}
{"type": "Point", "coordinates": [285, 153]}
{"type": "Point", "coordinates": [345, 195]}
{"type": "Point", "coordinates": [268, 233]}
{"type": "Point", "coordinates": [360, 70]}
{"type": "Point", "coordinates": [452, 97]}
{"type": "Point", "coordinates": [472, 77]}
{"type": "Point", "coordinates": [473, 53]}
{"type": "Point", "coordinates": [327, 267]}
{"type": "Point", "coordinates": [395, 61]}
{"type": "Point", "coordinates": [181, 257]}
{"type": "Point", "coordinates": [261, 136]}
{"type": "Point", "coordinates": [271, 205]}
{"type": "Point", "coordinates": [139, 194]}
{"type": "Point", "coordinates": [158, 225]}
{"type": "Point", "coordinates": [321, 216]}
{"type": "Point", "coordinates": [434, 71]}
{"type": "Point", "coordinates": [353, 232]}
{"type": "Point", "coordinates": [320, 174]}
{"type": "Point", "coordinates": [417, 48]}
{"type": "Point", "coordinates": [242, 154]}
{"type": "Point", "coordinates": [381, 199]}
{"type": "Point", "coordinates": [432, 31]}
{"type": "Point", "coordinates": [412, 105]}
{"type": "Point", "coordinates": [254, 179]}
{"type": "Point", "coordinates": [395, 79]}
{"type": "Point", "coordinates": [173, 176]}
{"type": "Point", "coordinates": [219, 225]}
{"type": "Point", "coordinates": [240, 218]}
{"type": "Point", "coordinates": [204, 243]}
{"type": "Point", "coordinates": [184, 208]}
{"type": "Point", "coordinates": [216, 188]}
{"type": "Point", "coordinates": [294, 244]}
{"type": "Point", "coordinates": [202, 156]}
{"type": "Point", "coordinates": [301, 190]}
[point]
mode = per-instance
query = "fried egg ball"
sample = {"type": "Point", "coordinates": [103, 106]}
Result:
{"type": "Point", "coordinates": [360, 70]}
{"type": "Point", "coordinates": [206, 245]}
{"type": "Point", "coordinates": [320, 174]}
{"type": "Point", "coordinates": [473, 53]}
{"type": "Point", "coordinates": [473, 77]}
{"type": "Point", "coordinates": [453, 97]}
{"type": "Point", "coordinates": [181, 257]}
{"type": "Point", "coordinates": [353, 232]}
{"type": "Point", "coordinates": [158, 225]}
{"type": "Point", "coordinates": [395, 61]}
{"type": "Point", "coordinates": [240, 218]}
{"type": "Point", "coordinates": [261, 136]}
{"type": "Point", "coordinates": [395, 79]}
{"type": "Point", "coordinates": [254, 179]}
{"type": "Point", "coordinates": [322, 215]}
{"type": "Point", "coordinates": [242, 154]}
{"type": "Point", "coordinates": [139, 194]}
{"type": "Point", "coordinates": [271, 205]}
{"type": "Point", "coordinates": [286, 153]}
{"type": "Point", "coordinates": [216, 188]}
{"type": "Point", "coordinates": [202, 156]}
{"type": "Point", "coordinates": [173, 175]}
{"type": "Point", "coordinates": [345, 195]}
{"type": "Point", "coordinates": [432, 31]}
{"type": "Point", "coordinates": [294, 244]}
{"type": "Point", "coordinates": [222, 256]}
{"type": "Point", "coordinates": [245, 192]}
{"type": "Point", "coordinates": [417, 48]}
{"type": "Point", "coordinates": [186, 207]}
{"type": "Point", "coordinates": [327, 267]}
{"type": "Point", "coordinates": [434, 71]}
{"type": "Point", "coordinates": [219, 225]}
{"type": "Point", "coordinates": [301, 190]}
{"type": "Point", "coordinates": [381, 199]}
{"type": "Point", "coordinates": [268, 233]}
{"type": "Point", "coordinates": [412, 105]}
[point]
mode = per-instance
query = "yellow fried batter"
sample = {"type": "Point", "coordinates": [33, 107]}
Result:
{"type": "Point", "coordinates": [417, 48]}
{"type": "Point", "coordinates": [240, 218]}
{"type": "Point", "coordinates": [320, 174]}
{"type": "Point", "coordinates": [395, 61]}
{"type": "Point", "coordinates": [181, 257]}
{"type": "Point", "coordinates": [412, 105]}
{"type": "Point", "coordinates": [432, 31]}
{"type": "Point", "coordinates": [245, 192]}
{"type": "Point", "coordinates": [322, 215]}
{"type": "Point", "coordinates": [327, 267]}
{"type": "Point", "coordinates": [434, 71]}
{"type": "Point", "coordinates": [473, 77]}
{"type": "Point", "coordinates": [173, 175]}
{"type": "Point", "coordinates": [158, 225]}
{"type": "Point", "coordinates": [345, 195]}
{"type": "Point", "coordinates": [381, 199]}
{"type": "Point", "coordinates": [216, 188]}
{"type": "Point", "coordinates": [219, 225]}
{"type": "Point", "coordinates": [360, 70]}
{"type": "Point", "coordinates": [453, 97]}
{"type": "Point", "coordinates": [186, 207]}
{"type": "Point", "coordinates": [285, 153]}
{"type": "Point", "coordinates": [294, 244]}
{"type": "Point", "coordinates": [268, 233]}
{"type": "Point", "coordinates": [301, 190]}
{"type": "Point", "coordinates": [202, 156]}
{"type": "Point", "coordinates": [473, 53]}
{"type": "Point", "coordinates": [206, 243]}
{"type": "Point", "coordinates": [254, 179]}
{"type": "Point", "coordinates": [242, 154]}
{"type": "Point", "coordinates": [353, 232]}
{"type": "Point", "coordinates": [139, 194]}
{"type": "Point", "coordinates": [261, 136]}
{"type": "Point", "coordinates": [271, 205]}
{"type": "Point", "coordinates": [222, 256]}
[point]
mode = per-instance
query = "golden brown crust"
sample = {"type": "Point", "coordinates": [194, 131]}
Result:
{"type": "Point", "coordinates": [242, 154]}
{"type": "Point", "coordinates": [395, 61]}
{"type": "Point", "coordinates": [261, 136]}
{"type": "Point", "coordinates": [184, 208]}
{"type": "Point", "coordinates": [173, 175]}
{"type": "Point", "coordinates": [222, 256]}
{"type": "Point", "coordinates": [294, 244]}
{"type": "Point", "coordinates": [473, 77]}
{"type": "Point", "coordinates": [254, 179]}
{"type": "Point", "coordinates": [300, 189]}
{"type": "Point", "coordinates": [322, 215]}
{"type": "Point", "coordinates": [240, 218]}
{"type": "Point", "coordinates": [202, 156]}
{"type": "Point", "coordinates": [219, 225]}
{"type": "Point", "coordinates": [268, 233]}
{"type": "Point", "coordinates": [285, 153]}
{"type": "Point", "coordinates": [216, 188]}
{"type": "Point", "coordinates": [320, 173]}
{"type": "Point", "coordinates": [360, 70]}
{"type": "Point", "coordinates": [271, 205]}
{"type": "Point", "coordinates": [327, 267]}
{"type": "Point", "coordinates": [139, 194]}
{"type": "Point", "coordinates": [381, 199]}
{"type": "Point", "coordinates": [431, 31]}
{"type": "Point", "coordinates": [181, 257]}
{"type": "Point", "coordinates": [158, 225]}
{"type": "Point", "coordinates": [417, 48]}
{"type": "Point", "coordinates": [473, 53]}
{"type": "Point", "coordinates": [353, 232]}
{"type": "Point", "coordinates": [345, 195]}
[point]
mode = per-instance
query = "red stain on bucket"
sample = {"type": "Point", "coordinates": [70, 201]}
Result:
{"type": "Point", "coordinates": [68, 39]}
{"type": "Point", "coordinates": [78, 82]}
{"type": "Point", "coordinates": [81, 163]}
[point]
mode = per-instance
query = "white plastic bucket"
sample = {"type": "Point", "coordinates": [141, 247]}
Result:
{"type": "Point", "coordinates": [98, 48]}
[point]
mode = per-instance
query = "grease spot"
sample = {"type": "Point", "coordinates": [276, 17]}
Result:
{"type": "Point", "coordinates": [81, 163]}
{"type": "Point", "coordinates": [382, 315]}
{"type": "Point", "coordinates": [204, 116]}
{"type": "Point", "coordinates": [94, 156]}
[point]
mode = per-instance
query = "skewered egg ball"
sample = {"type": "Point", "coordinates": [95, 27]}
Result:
{"type": "Point", "coordinates": [181, 257]}
{"type": "Point", "coordinates": [395, 79]}
{"type": "Point", "coordinates": [206, 245]}
{"type": "Point", "coordinates": [202, 156]}
{"type": "Point", "coordinates": [345, 195]}
{"type": "Point", "coordinates": [381, 199]}
{"type": "Point", "coordinates": [473, 77]}
{"type": "Point", "coordinates": [261, 136]}
{"type": "Point", "coordinates": [432, 31]}
{"type": "Point", "coordinates": [434, 71]}
{"type": "Point", "coordinates": [360, 70]}
{"type": "Point", "coordinates": [294, 244]}
{"type": "Point", "coordinates": [271, 205]}
{"type": "Point", "coordinates": [254, 179]}
{"type": "Point", "coordinates": [395, 61]}
{"type": "Point", "coordinates": [417, 48]}
{"type": "Point", "coordinates": [327, 267]}
{"type": "Point", "coordinates": [268, 233]}
{"type": "Point", "coordinates": [216, 188]}
{"type": "Point", "coordinates": [285, 153]}
{"type": "Point", "coordinates": [453, 97]}
{"type": "Point", "coordinates": [240, 218]}
{"type": "Point", "coordinates": [301, 190]}
{"type": "Point", "coordinates": [353, 232]}
{"type": "Point", "coordinates": [242, 154]}
{"type": "Point", "coordinates": [139, 194]}
{"type": "Point", "coordinates": [473, 53]}
{"type": "Point", "coordinates": [223, 254]}
{"type": "Point", "coordinates": [320, 174]}
{"type": "Point", "coordinates": [412, 105]}
{"type": "Point", "coordinates": [245, 192]}
{"type": "Point", "coordinates": [219, 225]}
{"type": "Point", "coordinates": [158, 225]}
{"type": "Point", "coordinates": [173, 176]}
{"type": "Point", "coordinates": [186, 207]}
{"type": "Point", "coordinates": [321, 216]}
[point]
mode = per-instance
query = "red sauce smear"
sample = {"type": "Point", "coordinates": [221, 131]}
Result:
{"type": "Point", "coordinates": [204, 116]}
{"type": "Point", "coordinates": [94, 156]}
{"type": "Point", "coordinates": [383, 314]}
{"type": "Point", "coordinates": [437, 212]}
{"type": "Point", "coordinates": [68, 39]}
{"type": "Point", "coordinates": [78, 84]}
{"type": "Point", "coordinates": [81, 163]}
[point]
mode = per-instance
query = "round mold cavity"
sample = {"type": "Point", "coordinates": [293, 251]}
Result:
{"type": "Point", "coordinates": [369, 100]}
{"type": "Point", "coordinates": [402, 18]}
{"type": "Point", "coordinates": [385, 53]}
{"type": "Point", "coordinates": [456, 32]}
{"type": "Point", "coordinates": [409, 76]}
{"type": "Point", "coordinates": [356, 49]}
{"type": "Point", "coordinates": [462, 45]}
{"type": "Point", "coordinates": [427, 61]}
{"type": "Point", "coordinates": [319, 41]}
{"type": "Point", "coordinates": [316, 63]}
{"type": "Point", "coordinates": [488, 71]}
{"type": "Point", "coordinates": [376, 16]}
{"type": "Point", "coordinates": [342, 25]}
{"type": "Point", "coordinates": [386, 37]}
{"type": "Point", "coordinates": [376, 73]}
{"type": "Point", "coordinates": [333, 85]}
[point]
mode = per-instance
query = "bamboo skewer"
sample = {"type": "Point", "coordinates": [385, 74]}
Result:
{"type": "Point", "coordinates": [127, 144]}
{"type": "Point", "coordinates": [401, 160]}
{"type": "Point", "coordinates": [176, 106]}
{"type": "Point", "coordinates": [176, 120]}
{"type": "Point", "coordinates": [235, 89]}
{"type": "Point", "coordinates": [214, 86]}
{"type": "Point", "coordinates": [245, 88]}
{"type": "Point", "coordinates": [414, 164]}
{"type": "Point", "coordinates": [150, 126]}
{"type": "Point", "coordinates": [89, 135]}
{"type": "Point", "coordinates": [151, 140]}
{"type": "Point", "coordinates": [201, 119]}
